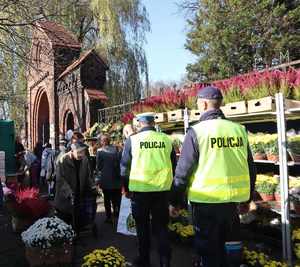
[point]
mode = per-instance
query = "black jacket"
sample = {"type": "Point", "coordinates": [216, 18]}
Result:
{"type": "Point", "coordinates": [108, 168]}
{"type": "Point", "coordinates": [190, 156]}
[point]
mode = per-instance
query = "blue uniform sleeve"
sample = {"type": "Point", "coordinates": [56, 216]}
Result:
{"type": "Point", "coordinates": [187, 161]}
{"type": "Point", "coordinates": [252, 172]}
{"type": "Point", "coordinates": [173, 160]}
{"type": "Point", "coordinates": [125, 164]}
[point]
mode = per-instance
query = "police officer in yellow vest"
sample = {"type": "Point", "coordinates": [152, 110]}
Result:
{"type": "Point", "coordinates": [216, 169]}
{"type": "Point", "coordinates": [150, 159]}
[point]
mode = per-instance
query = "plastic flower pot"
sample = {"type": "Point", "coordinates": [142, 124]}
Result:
{"type": "Point", "coordinates": [260, 156]}
{"type": "Point", "coordinates": [272, 157]}
{"type": "Point", "coordinates": [277, 196]}
{"type": "Point", "coordinates": [52, 256]}
{"type": "Point", "coordinates": [267, 197]}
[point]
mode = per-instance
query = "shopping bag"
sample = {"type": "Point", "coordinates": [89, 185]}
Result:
{"type": "Point", "coordinates": [126, 223]}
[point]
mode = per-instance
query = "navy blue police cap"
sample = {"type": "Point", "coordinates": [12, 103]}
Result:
{"type": "Point", "coordinates": [146, 117]}
{"type": "Point", "coordinates": [210, 92]}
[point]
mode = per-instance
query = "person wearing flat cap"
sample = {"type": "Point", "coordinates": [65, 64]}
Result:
{"type": "Point", "coordinates": [150, 159]}
{"type": "Point", "coordinates": [74, 183]}
{"type": "Point", "coordinates": [216, 170]}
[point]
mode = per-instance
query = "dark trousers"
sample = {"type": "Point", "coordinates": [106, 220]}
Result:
{"type": "Point", "coordinates": [213, 224]}
{"type": "Point", "coordinates": [156, 205]}
{"type": "Point", "coordinates": [112, 197]}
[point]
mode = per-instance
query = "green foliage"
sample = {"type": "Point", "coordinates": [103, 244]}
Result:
{"type": "Point", "coordinates": [177, 143]}
{"type": "Point", "coordinates": [294, 144]}
{"type": "Point", "coordinates": [271, 147]}
{"type": "Point", "coordinates": [191, 103]}
{"type": "Point", "coordinates": [233, 95]}
{"type": "Point", "coordinates": [296, 93]}
{"type": "Point", "coordinates": [257, 148]}
{"type": "Point", "coordinates": [121, 28]}
{"type": "Point", "coordinates": [116, 28]}
{"type": "Point", "coordinates": [229, 37]}
{"type": "Point", "coordinates": [257, 92]}
{"type": "Point", "coordinates": [277, 189]}
{"type": "Point", "coordinates": [265, 187]}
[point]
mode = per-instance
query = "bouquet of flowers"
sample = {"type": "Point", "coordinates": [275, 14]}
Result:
{"type": "Point", "coordinates": [104, 258]}
{"type": "Point", "coordinates": [47, 233]}
{"type": "Point", "coordinates": [184, 233]}
{"type": "Point", "coordinates": [182, 218]}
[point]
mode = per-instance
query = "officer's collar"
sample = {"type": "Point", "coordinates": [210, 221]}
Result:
{"type": "Point", "coordinates": [148, 128]}
{"type": "Point", "coordinates": [212, 115]}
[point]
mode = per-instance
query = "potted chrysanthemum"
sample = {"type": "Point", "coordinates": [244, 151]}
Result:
{"type": "Point", "coordinates": [109, 257]}
{"type": "Point", "coordinates": [266, 190]}
{"type": "Point", "coordinates": [48, 242]}
{"type": "Point", "coordinates": [258, 151]}
{"type": "Point", "coordinates": [271, 147]}
{"type": "Point", "coordinates": [25, 207]}
{"type": "Point", "coordinates": [277, 193]}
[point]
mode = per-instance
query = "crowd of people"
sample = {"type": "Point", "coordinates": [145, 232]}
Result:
{"type": "Point", "coordinates": [77, 169]}
{"type": "Point", "coordinates": [215, 179]}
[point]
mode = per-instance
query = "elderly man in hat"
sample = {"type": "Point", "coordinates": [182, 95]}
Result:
{"type": "Point", "coordinates": [149, 158]}
{"type": "Point", "coordinates": [73, 182]}
{"type": "Point", "coordinates": [216, 169]}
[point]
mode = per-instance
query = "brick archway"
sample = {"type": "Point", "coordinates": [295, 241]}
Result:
{"type": "Point", "coordinates": [41, 118]}
{"type": "Point", "coordinates": [68, 121]}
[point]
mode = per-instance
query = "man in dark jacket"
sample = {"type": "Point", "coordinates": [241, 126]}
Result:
{"type": "Point", "coordinates": [216, 168]}
{"type": "Point", "coordinates": [74, 184]}
{"type": "Point", "coordinates": [108, 176]}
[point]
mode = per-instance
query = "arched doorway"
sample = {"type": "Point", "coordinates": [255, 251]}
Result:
{"type": "Point", "coordinates": [43, 129]}
{"type": "Point", "coordinates": [69, 121]}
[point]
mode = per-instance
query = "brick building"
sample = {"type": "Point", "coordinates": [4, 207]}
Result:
{"type": "Point", "coordinates": [64, 85]}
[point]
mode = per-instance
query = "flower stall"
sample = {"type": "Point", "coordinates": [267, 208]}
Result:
{"type": "Point", "coordinates": [114, 130]}
{"type": "Point", "coordinates": [249, 99]}
{"type": "Point", "coordinates": [49, 241]}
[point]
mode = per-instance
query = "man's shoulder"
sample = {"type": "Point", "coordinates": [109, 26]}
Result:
{"type": "Point", "coordinates": [65, 157]}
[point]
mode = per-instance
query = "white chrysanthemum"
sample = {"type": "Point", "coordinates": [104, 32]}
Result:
{"type": "Point", "coordinates": [47, 231]}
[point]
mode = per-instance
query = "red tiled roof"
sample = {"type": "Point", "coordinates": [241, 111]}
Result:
{"type": "Point", "coordinates": [58, 35]}
{"type": "Point", "coordinates": [95, 94]}
{"type": "Point", "coordinates": [78, 62]}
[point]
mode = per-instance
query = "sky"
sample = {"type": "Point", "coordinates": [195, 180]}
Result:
{"type": "Point", "coordinates": [167, 57]}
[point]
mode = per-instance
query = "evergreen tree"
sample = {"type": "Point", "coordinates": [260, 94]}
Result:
{"type": "Point", "coordinates": [229, 37]}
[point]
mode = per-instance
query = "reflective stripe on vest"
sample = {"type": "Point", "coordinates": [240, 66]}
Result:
{"type": "Point", "coordinates": [222, 174]}
{"type": "Point", "coordinates": [151, 167]}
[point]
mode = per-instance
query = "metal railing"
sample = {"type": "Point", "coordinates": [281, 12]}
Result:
{"type": "Point", "coordinates": [114, 113]}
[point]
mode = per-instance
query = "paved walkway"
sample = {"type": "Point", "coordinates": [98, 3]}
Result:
{"type": "Point", "coordinates": [12, 250]}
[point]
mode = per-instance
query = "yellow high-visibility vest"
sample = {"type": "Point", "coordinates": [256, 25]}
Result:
{"type": "Point", "coordinates": [222, 173]}
{"type": "Point", "coordinates": [151, 166]}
